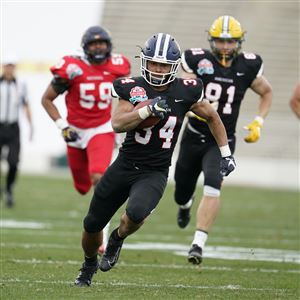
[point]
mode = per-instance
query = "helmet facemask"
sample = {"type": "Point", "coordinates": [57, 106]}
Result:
{"type": "Point", "coordinates": [158, 79]}
{"type": "Point", "coordinates": [97, 56]}
{"type": "Point", "coordinates": [227, 55]}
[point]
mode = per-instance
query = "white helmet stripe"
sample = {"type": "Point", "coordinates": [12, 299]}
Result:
{"type": "Point", "coordinates": [157, 47]}
{"type": "Point", "coordinates": [226, 24]}
{"type": "Point", "coordinates": [166, 46]}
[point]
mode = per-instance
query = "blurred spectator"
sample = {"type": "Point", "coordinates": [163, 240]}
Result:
{"type": "Point", "coordinates": [295, 100]}
{"type": "Point", "coordinates": [13, 95]}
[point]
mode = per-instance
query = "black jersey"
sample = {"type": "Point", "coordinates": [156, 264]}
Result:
{"type": "Point", "coordinates": [153, 147]}
{"type": "Point", "coordinates": [224, 87]}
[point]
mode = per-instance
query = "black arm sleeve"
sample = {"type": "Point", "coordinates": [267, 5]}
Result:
{"type": "Point", "coordinates": [60, 85]}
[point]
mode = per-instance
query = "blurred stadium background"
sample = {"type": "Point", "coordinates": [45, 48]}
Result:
{"type": "Point", "coordinates": [40, 33]}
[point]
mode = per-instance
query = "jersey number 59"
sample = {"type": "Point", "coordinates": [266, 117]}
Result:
{"type": "Point", "coordinates": [89, 97]}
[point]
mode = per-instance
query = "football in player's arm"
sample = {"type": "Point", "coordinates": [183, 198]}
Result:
{"type": "Point", "coordinates": [87, 78]}
{"type": "Point", "coordinates": [226, 73]}
{"type": "Point", "coordinates": [139, 173]}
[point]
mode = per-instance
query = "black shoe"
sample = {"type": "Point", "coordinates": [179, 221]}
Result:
{"type": "Point", "coordinates": [86, 274]}
{"type": "Point", "coordinates": [183, 217]}
{"type": "Point", "coordinates": [9, 199]}
{"type": "Point", "coordinates": [111, 254]}
{"type": "Point", "coordinates": [195, 255]}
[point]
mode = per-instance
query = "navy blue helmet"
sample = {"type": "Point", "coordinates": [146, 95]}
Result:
{"type": "Point", "coordinates": [92, 34]}
{"type": "Point", "coordinates": [161, 48]}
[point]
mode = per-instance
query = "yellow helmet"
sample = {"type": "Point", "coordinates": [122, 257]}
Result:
{"type": "Point", "coordinates": [226, 27]}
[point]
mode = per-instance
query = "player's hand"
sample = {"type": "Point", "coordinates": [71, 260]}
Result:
{"type": "Point", "coordinates": [254, 130]}
{"type": "Point", "coordinates": [227, 165]}
{"type": "Point", "coordinates": [159, 107]}
{"type": "Point", "coordinates": [69, 134]}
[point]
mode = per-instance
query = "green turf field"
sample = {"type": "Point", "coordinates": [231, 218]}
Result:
{"type": "Point", "coordinates": [257, 228]}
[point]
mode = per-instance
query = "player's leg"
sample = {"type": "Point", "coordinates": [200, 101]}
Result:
{"type": "Point", "coordinates": [78, 163]}
{"type": "Point", "coordinates": [144, 196]}
{"type": "Point", "coordinates": [111, 192]}
{"type": "Point", "coordinates": [209, 206]}
{"type": "Point", "coordinates": [99, 151]}
{"type": "Point", "coordinates": [187, 171]}
{"type": "Point", "coordinates": [13, 161]}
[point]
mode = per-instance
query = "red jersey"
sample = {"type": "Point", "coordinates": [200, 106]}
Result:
{"type": "Point", "coordinates": [88, 98]}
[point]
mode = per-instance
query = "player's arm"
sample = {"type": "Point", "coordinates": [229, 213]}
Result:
{"type": "Point", "coordinates": [295, 101]}
{"type": "Point", "coordinates": [124, 117]}
{"type": "Point", "coordinates": [47, 101]}
{"type": "Point", "coordinates": [58, 86]}
{"type": "Point", "coordinates": [262, 87]}
{"type": "Point", "coordinates": [204, 110]}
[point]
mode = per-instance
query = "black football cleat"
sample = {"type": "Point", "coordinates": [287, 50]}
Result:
{"type": "Point", "coordinates": [86, 274]}
{"type": "Point", "coordinates": [195, 255]}
{"type": "Point", "coordinates": [111, 254]}
{"type": "Point", "coordinates": [183, 217]}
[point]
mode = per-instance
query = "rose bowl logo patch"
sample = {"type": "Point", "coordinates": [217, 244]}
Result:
{"type": "Point", "coordinates": [137, 94]}
{"type": "Point", "coordinates": [205, 66]}
{"type": "Point", "coordinates": [73, 71]}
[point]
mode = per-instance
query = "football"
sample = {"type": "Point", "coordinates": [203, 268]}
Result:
{"type": "Point", "coordinates": [150, 121]}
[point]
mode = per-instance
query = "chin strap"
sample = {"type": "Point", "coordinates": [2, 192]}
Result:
{"type": "Point", "coordinates": [223, 60]}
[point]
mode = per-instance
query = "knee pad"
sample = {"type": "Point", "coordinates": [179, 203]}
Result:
{"type": "Point", "coordinates": [91, 224]}
{"type": "Point", "coordinates": [211, 191]}
{"type": "Point", "coordinates": [136, 216]}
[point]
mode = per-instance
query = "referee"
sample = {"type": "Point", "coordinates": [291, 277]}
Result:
{"type": "Point", "coordinates": [13, 96]}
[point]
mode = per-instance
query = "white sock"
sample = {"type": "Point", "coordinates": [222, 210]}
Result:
{"type": "Point", "coordinates": [200, 238]}
{"type": "Point", "coordinates": [187, 205]}
{"type": "Point", "coordinates": [105, 234]}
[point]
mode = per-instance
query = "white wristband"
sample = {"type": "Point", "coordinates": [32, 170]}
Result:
{"type": "Point", "coordinates": [225, 151]}
{"type": "Point", "coordinates": [144, 112]}
{"type": "Point", "coordinates": [260, 120]}
{"type": "Point", "coordinates": [61, 124]}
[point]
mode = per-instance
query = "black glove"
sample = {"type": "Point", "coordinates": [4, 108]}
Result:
{"type": "Point", "coordinates": [227, 165]}
{"type": "Point", "coordinates": [159, 107]}
{"type": "Point", "coordinates": [69, 134]}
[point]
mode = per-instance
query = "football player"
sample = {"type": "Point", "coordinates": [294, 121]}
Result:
{"type": "Point", "coordinates": [226, 73]}
{"type": "Point", "coordinates": [140, 171]}
{"type": "Point", "coordinates": [87, 80]}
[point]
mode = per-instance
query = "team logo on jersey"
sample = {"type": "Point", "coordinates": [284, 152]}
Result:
{"type": "Point", "coordinates": [73, 71]}
{"type": "Point", "coordinates": [137, 94]}
{"type": "Point", "coordinates": [205, 66]}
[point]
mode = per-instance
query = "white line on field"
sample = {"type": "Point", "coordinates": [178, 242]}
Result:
{"type": "Point", "coordinates": [220, 252]}
{"type": "Point", "coordinates": [153, 237]}
{"type": "Point", "coordinates": [132, 284]}
{"type": "Point", "coordinates": [156, 266]}
{"type": "Point", "coordinates": [10, 223]}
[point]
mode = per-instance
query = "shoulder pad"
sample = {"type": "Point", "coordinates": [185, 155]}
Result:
{"type": "Point", "coordinates": [120, 65]}
{"type": "Point", "coordinates": [191, 57]}
{"type": "Point", "coordinates": [253, 62]}
{"type": "Point", "coordinates": [67, 68]}
{"type": "Point", "coordinates": [193, 89]}
{"type": "Point", "coordinates": [130, 88]}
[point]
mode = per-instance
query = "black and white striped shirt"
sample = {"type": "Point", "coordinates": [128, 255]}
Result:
{"type": "Point", "coordinates": [13, 94]}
